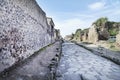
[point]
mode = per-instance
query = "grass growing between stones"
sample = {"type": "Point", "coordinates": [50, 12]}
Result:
{"type": "Point", "coordinates": [113, 47]}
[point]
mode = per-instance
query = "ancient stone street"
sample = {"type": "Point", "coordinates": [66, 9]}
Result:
{"type": "Point", "coordinates": [35, 67]}
{"type": "Point", "coordinates": [83, 44]}
{"type": "Point", "coordinates": [78, 63]}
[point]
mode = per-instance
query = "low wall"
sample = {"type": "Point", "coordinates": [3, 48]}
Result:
{"type": "Point", "coordinates": [23, 30]}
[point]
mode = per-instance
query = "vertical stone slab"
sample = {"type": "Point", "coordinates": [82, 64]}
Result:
{"type": "Point", "coordinates": [93, 34]}
{"type": "Point", "coordinates": [118, 39]}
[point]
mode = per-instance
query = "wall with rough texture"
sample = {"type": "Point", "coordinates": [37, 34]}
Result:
{"type": "Point", "coordinates": [78, 36]}
{"type": "Point", "coordinates": [118, 39]}
{"type": "Point", "coordinates": [92, 34]}
{"type": "Point", "coordinates": [85, 37]}
{"type": "Point", "coordinates": [23, 30]}
{"type": "Point", "coordinates": [51, 28]}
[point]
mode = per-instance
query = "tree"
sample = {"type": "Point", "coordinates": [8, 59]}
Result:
{"type": "Point", "coordinates": [101, 21]}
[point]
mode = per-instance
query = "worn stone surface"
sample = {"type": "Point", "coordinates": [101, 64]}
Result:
{"type": "Point", "coordinates": [85, 37]}
{"type": "Point", "coordinates": [57, 35]}
{"type": "Point", "coordinates": [103, 34]}
{"type": "Point", "coordinates": [36, 67]}
{"type": "Point", "coordinates": [93, 34]}
{"type": "Point", "coordinates": [78, 62]}
{"type": "Point", "coordinates": [23, 30]}
{"type": "Point", "coordinates": [101, 50]}
{"type": "Point", "coordinates": [51, 29]}
{"type": "Point", "coordinates": [118, 39]}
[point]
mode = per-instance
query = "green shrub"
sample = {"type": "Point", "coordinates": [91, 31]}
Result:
{"type": "Point", "coordinates": [101, 21]}
{"type": "Point", "coordinates": [112, 46]}
{"type": "Point", "coordinates": [113, 32]}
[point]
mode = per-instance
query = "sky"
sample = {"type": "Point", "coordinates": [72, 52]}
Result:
{"type": "Point", "coordinates": [69, 15]}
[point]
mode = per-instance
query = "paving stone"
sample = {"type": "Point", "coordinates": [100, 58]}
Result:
{"type": "Point", "coordinates": [89, 65]}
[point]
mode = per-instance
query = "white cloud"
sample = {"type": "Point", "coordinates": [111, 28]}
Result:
{"type": "Point", "coordinates": [69, 26]}
{"type": "Point", "coordinates": [97, 5]}
{"type": "Point", "coordinates": [70, 21]}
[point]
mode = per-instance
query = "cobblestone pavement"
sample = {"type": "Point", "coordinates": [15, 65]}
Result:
{"type": "Point", "coordinates": [78, 63]}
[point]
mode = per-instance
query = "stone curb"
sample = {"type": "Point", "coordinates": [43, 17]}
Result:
{"type": "Point", "coordinates": [54, 63]}
{"type": "Point", "coordinates": [115, 60]}
{"type": "Point", "coordinates": [18, 63]}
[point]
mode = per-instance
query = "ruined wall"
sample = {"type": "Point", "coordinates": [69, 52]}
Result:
{"type": "Point", "coordinates": [92, 34]}
{"type": "Point", "coordinates": [78, 36]}
{"type": "Point", "coordinates": [85, 37]}
{"type": "Point", "coordinates": [23, 30]}
{"type": "Point", "coordinates": [118, 39]}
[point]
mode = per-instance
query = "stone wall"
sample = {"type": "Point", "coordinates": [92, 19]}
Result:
{"type": "Point", "coordinates": [92, 34]}
{"type": "Point", "coordinates": [57, 34]}
{"type": "Point", "coordinates": [118, 39]}
{"type": "Point", "coordinates": [51, 26]}
{"type": "Point", "coordinates": [85, 37]}
{"type": "Point", "coordinates": [78, 35]}
{"type": "Point", "coordinates": [23, 30]}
